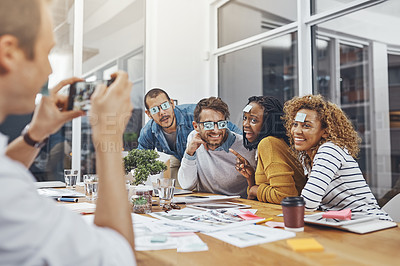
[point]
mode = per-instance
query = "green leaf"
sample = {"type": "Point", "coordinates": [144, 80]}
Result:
{"type": "Point", "coordinates": [144, 163]}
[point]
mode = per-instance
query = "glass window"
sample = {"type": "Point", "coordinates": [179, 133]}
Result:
{"type": "Point", "coordinates": [269, 68]}
{"type": "Point", "coordinates": [108, 71]}
{"type": "Point", "coordinates": [352, 68]}
{"type": "Point", "coordinates": [240, 19]}
{"type": "Point", "coordinates": [111, 33]}
{"type": "Point", "coordinates": [135, 68]}
{"type": "Point", "coordinates": [394, 107]}
{"type": "Point", "coordinates": [318, 6]}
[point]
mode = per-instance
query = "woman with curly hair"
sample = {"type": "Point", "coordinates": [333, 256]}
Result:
{"type": "Point", "coordinates": [326, 143]}
{"type": "Point", "coordinates": [279, 174]}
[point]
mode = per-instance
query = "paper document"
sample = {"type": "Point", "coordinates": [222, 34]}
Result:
{"type": "Point", "coordinates": [177, 215]}
{"type": "Point", "coordinates": [251, 235]}
{"type": "Point", "coordinates": [200, 199]}
{"type": "Point", "coordinates": [177, 191]}
{"type": "Point", "coordinates": [59, 193]}
{"type": "Point", "coordinates": [191, 243]}
{"type": "Point", "coordinates": [214, 220]}
{"type": "Point", "coordinates": [188, 242]}
{"type": "Point", "coordinates": [218, 205]}
{"type": "Point", "coordinates": [82, 208]}
{"type": "Point", "coordinates": [47, 184]}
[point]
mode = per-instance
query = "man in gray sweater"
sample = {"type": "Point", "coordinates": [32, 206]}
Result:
{"type": "Point", "coordinates": [207, 164]}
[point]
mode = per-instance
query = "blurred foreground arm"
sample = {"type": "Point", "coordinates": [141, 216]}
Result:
{"type": "Point", "coordinates": [109, 114]}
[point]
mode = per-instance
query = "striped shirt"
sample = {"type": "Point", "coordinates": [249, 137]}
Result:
{"type": "Point", "coordinates": [336, 183]}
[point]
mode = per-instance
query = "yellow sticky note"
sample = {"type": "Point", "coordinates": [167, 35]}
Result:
{"type": "Point", "coordinates": [305, 244]}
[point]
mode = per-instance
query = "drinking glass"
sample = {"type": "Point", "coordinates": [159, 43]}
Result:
{"type": "Point", "coordinates": [91, 186]}
{"type": "Point", "coordinates": [166, 187]}
{"type": "Point", "coordinates": [70, 177]}
{"type": "Point", "coordinates": [142, 199]}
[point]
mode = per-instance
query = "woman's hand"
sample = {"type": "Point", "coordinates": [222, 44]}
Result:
{"type": "Point", "coordinates": [243, 167]}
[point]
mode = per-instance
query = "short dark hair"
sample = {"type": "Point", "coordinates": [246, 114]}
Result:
{"type": "Point", "coordinates": [153, 93]}
{"type": "Point", "coordinates": [213, 103]}
{"type": "Point", "coordinates": [21, 19]}
{"type": "Point", "coordinates": [273, 124]}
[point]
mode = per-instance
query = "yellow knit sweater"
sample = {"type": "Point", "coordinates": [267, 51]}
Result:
{"type": "Point", "coordinates": [278, 173]}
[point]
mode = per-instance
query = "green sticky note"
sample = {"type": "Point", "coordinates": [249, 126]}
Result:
{"type": "Point", "coordinates": [159, 239]}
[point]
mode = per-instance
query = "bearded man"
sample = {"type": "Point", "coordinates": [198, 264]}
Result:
{"type": "Point", "coordinates": [207, 164]}
{"type": "Point", "coordinates": [169, 127]}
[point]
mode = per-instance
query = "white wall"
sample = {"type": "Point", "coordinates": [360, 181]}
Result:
{"type": "Point", "coordinates": [114, 44]}
{"type": "Point", "coordinates": [113, 29]}
{"type": "Point", "coordinates": [176, 48]}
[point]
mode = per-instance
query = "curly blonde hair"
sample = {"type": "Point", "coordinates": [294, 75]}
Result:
{"type": "Point", "coordinates": [336, 124]}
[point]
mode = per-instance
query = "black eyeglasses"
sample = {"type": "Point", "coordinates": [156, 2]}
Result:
{"type": "Point", "coordinates": [209, 125]}
{"type": "Point", "coordinates": [154, 110]}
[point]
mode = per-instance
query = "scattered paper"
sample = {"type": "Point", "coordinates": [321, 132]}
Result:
{"type": "Point", "coordinates": [59, 193]}
{"type": "Point", "coordinates": [199, 199]}
{"type": "Point", "coordinates": [82, 208]}
{"type": "Point", "coordinates": [251, 235]}
{"type": "Point", "coordinates": [163, 226]}
{"type": "Point", "coordinates": [48, 184]}
{"type": "Point", "coordinates": [247, 215]}
{"type": "Point", "coordinates": [191, 243]}
{"type": "Point", "coordinates": [176, 215]}
{"type": "Point", "coordinates": [143, 242]}
{"type": "Point", "coordinates": [218, 205]}
{"type": "Point", "coordinates": [213, 220]}
{"type": "Point", "coordinates": [137, 218]}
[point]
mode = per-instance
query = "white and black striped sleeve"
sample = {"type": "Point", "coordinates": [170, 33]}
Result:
{"type": "Point", "coordinates": [326, 164]}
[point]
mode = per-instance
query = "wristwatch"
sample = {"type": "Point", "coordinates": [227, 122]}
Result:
{"type": "Point", "coordinates": [30, 141]}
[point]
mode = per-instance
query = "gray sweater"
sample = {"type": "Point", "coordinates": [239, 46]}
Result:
{"type": "Point", "coordinates": [214, 171]}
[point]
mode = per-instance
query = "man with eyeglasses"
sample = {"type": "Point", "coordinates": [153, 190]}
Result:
{"type": "Point", "coordinates": [169, 126]}
{"type": "Point", "coordinates": [207, 164]}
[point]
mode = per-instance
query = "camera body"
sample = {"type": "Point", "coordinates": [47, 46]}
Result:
{"type": "Point", "coordinates": [80, 93]}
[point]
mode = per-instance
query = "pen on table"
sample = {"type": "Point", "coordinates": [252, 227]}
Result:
{"type": "Point", "coordinates": [265, 220]}
{"type": "Point", "coordinates": [67, 199]}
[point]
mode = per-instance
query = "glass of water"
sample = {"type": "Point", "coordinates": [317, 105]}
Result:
{"type": "Point", "coordinates": [70, 177]}
{"type": "Point", "coordinates": [91, 182]}
{"type": "Point", "coordinates": [166, 187]}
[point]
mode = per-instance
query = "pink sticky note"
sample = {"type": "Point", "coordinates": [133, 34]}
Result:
{"type": "Point", "coordinates": [341, 215]}
{"type": "Point", "coordinates": [247, 215]}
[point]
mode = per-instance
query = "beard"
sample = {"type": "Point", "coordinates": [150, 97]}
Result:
{"type": "Point", "coordinates": [167, 116]}
{"type": "Point", "coordinates": [214, 144]}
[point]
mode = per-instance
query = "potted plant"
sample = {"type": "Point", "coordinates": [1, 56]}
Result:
{"type": "Point", "coordinates": [142, 164]}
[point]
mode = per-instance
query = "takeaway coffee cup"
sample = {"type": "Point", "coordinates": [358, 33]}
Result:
{"type": "Point", "coordinates": [293, 213]}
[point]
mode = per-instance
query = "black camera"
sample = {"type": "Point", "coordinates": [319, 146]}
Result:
{"type": "Point", "coordinates": [80, 93]}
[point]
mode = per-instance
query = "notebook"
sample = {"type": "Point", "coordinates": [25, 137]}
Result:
{"type": "Point", "coordinates": [46, 184]}
{"type": "Point", "coordinates": [368, 226]}
{"type": "Point", "coordinates": [177, 191]}
{"type": "Point", "coordinates": [359, 224]}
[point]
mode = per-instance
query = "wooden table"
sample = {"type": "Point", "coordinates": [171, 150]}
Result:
{"type": "Point", "coordinates": [341, 248]}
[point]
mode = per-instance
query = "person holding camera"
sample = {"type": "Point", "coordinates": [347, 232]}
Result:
{"type": "Point", "coordinates": [33, 229]}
